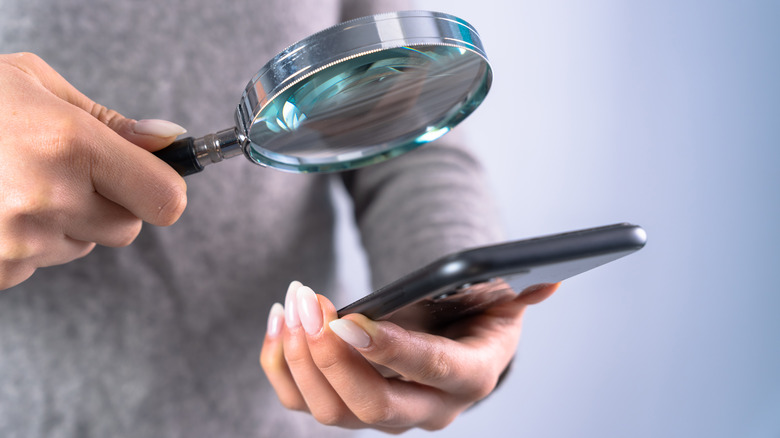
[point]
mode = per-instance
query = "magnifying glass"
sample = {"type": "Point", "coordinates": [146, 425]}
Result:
{"type": "Point", "coordinates": [355, 94]}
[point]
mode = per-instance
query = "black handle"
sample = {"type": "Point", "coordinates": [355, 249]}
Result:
{"type": "Point", "coordinates": [181, 156]}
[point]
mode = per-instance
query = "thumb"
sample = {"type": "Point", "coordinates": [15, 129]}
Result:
{"type": "Point", "coordinates": [151, 134]}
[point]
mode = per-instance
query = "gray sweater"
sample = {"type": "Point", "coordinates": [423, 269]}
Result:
{"type": "Point", "coordinates": [161, 338]}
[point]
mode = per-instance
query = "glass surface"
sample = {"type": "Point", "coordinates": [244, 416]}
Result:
{"type": "Point", "coordinates": [369, 108]}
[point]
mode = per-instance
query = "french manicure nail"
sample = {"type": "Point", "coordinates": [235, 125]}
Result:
{"type": "Point", "coordinates": [291, 306]}
{"type": "Point", "coordinates": [275, 320]}
{"type": "Point", "coordinates": [309, 310]}
{"type": "Point", "coordinates": [350, 333]}
{"type": "Point", "coordinates": [158, 128]}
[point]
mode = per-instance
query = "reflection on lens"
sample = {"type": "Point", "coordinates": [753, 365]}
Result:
{"type": "Point", "coordinates": [369, 108]}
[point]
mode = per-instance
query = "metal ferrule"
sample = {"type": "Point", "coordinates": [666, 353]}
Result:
{"type": "Point", "coordinates": [213, 148]}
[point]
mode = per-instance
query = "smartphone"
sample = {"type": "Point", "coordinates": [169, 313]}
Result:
{"type": "Point", "coordinates": [470, 281]}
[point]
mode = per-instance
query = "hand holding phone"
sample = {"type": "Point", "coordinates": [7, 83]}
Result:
{"type": "Point", "coordinates": [332, 373]}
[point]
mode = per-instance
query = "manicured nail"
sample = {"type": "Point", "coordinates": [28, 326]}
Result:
{"type": "Point", "coordinates": [158, 128]}
{"type": "Point", "coordinates": [275, 320]}
{"type": "Point", "coordinates": [350, 333]}
{"type": "Point", "coordinates": [309, 310]}
{"type": "Point", "coordinates": [291, 306]}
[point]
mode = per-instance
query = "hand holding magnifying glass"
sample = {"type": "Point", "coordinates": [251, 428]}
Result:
{"type": "Point", "coordinates": [352, 95]}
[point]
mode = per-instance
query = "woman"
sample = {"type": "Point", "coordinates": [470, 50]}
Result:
{"type": "Point", "coordinates": [160, 337]}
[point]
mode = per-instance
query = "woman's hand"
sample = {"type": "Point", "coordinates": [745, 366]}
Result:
{"type": "Point", "coordinates": [323, 365]}
{"type": "Point", "coordinates": [71, 172]}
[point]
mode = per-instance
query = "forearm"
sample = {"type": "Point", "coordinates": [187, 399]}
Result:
{"type": "Point", "coordinates": [421, 206]}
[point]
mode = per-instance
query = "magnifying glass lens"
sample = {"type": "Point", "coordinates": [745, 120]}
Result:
{"type": "Point", "coordinates": [368, 108]}
{"type": "Point", "coordinates": [355, 94]}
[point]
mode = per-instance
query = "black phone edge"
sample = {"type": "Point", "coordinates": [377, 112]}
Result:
{"type": "Point", "coordinates": [500, 259]}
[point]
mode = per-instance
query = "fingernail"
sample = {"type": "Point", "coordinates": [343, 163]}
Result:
{"type": "Point", "coordinates": [291, 307]}
{"type": "Point", "coordinates": [350, 333]}
{"type": "Point", "coordinates": [275, 319]}
{"type": "Point", "coordinates": [158, 128]}
{"type": "Point", "coordinates": [309, 310]}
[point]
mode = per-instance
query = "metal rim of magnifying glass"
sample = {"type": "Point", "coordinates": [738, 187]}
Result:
{"type": "Point", "coordinates": [341, 43]}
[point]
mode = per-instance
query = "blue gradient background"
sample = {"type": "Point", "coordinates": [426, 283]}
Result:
{"type": "Point", "coordinates": [665, 114]}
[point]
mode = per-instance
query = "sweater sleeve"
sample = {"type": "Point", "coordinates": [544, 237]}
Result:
{"type": "Point", "coordinates": [423, 205]}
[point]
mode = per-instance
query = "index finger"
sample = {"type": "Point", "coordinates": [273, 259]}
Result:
{"type": "Point", "coordinates": [382, 403]}
{"type": "Point", "coordinates": [134, 178]}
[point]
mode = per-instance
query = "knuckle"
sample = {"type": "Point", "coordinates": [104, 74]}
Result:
{"type": "Point", "coordinates": [269, 363]}
{"type": "Point", "coordinates": [26, 203]}
{"type": "Point", "coordinates": [393, 346]}
{"type": "Point", "coordinates": [478, 385]}
{"type": "Point", "coordinates": [378, 413]}
{"type": "Point", "coordinates": [327, 363]}
{"type": "Point", "coordinates": [391, 353]}
{"type": "Point", "coordinates": [125, 235]}
{"type": "Point", "coordinates": [293, 403]}
{"type": "Point", "coordinates": [28, 60]}
{"type": "Point", "coordinates": [22, 216]}
{"type": "Point", "coordinates": [294, 356]}
{"type": "Point", "coordinates": [438, 367]}
{"type": "Point", "coordinates": [483, 387]}
{"type": "Point", "coordinates": [273, 365]}
{"type": "Point", "coordinates": [438, 423]}
{"type": "Point", "coordinates": [63, 146]}
{"type": "Point", "coordinates": [331, 415]}
{"type": "Point", "coordinates": [85, 250]}
{"type": "Point", "coordinates": [15, 250]}
{"type": "Point", "coordinates": [32, 68]}
{"type": "Point", "coordinates": [64, 131]}
{"type": "Point", "coordinates": [13, 273]}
